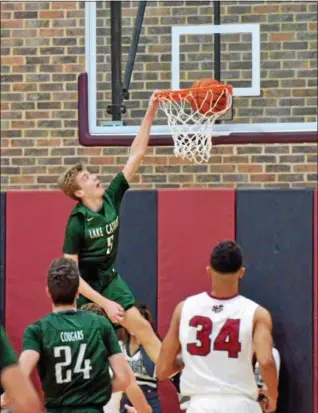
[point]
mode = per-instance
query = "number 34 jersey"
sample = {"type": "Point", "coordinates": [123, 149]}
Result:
{"type": "Point", "coordinates": [216, 336]}
{"type": "Point", "coordinates": [74, 347]}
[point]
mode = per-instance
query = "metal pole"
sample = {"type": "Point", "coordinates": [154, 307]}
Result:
{"type": "Point", "coordinates": [217, 41]}
{"type": "Point", "coordinates": [116, 59]}
{"type": "Point", "coordinates": [217, 44]}
{"type": "Point", "coordinates": [133, 48]}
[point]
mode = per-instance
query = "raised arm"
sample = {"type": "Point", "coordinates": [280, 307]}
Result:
{"type": "Point", "coordinates": [263, 347]}
{"type": "Point", "coordinates": [167, 364]}
{"type": "Point", "coordinates": [139, 146]}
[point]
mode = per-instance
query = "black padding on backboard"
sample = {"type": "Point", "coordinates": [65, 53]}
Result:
{"type": "Point", "coordinates": [137, 256]}
{"type": "Point", "coordinates": [2, 255]}
{"type": "Point", "coordinates": [275, 230]}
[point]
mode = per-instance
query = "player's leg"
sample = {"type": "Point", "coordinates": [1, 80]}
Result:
{"type": "Point", "coordinates": [133, 321]}
{"type": "Point", "coordinates": [117, 290]}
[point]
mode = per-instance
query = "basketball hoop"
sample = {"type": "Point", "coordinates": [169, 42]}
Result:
{"type": "Point", "coordinates": [191, 115]}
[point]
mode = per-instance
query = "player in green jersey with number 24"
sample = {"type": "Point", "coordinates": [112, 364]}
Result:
{"type": "Point", "coordinates": [73, 350]}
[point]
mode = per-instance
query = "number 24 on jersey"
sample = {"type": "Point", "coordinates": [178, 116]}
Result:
{"type": "Point", "coordinates": [64, 374]}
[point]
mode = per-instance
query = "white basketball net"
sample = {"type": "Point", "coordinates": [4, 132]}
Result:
{"type": "Point", "coordinates": [191, 130]}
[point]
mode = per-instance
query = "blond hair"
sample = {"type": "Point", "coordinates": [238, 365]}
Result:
{"type": "Point", "coordinates": [66, 181]}
{"type": "Point", "coordinates": [94, 308]}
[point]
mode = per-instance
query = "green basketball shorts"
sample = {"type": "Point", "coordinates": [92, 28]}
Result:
{"type": "Point", "coordinates": [117, 290]}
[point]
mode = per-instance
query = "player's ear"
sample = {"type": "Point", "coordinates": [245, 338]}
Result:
{"type": "Point", "coordinates": [242, 272]}
{"type": "Point", "coordinates": [209, 271]}
{"type": "Point", "coordinates": [79, 193]}
{"type": "Point", "coordinates": [47, 292]}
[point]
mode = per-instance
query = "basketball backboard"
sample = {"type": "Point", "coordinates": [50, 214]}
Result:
{"type": "Point", "coordinates": [268, 52]}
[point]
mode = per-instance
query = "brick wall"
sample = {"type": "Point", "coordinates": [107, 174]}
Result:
{"type": "Point", "coordinates": [42, 50]}
{"type": "Point", "coordinates": [288, 56]}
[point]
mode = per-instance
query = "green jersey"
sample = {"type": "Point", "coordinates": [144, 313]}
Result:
{"type": "Point", "coordinates": [74, 347]}
{"type": "Point", "coordinates": [94, 236]}
{"type": "Point", "coordinates": [7, 355]}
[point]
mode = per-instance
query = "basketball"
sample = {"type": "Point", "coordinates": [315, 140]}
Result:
{"type": "Point", "coordinates": [205, 103]}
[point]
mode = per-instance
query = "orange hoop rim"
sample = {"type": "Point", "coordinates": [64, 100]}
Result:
{"type": "Point", "coordinates": [181, 93]}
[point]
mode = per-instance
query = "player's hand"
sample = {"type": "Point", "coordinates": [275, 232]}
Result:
{"type": "Point", "coordinates": [263, 404]}
{"type": "Point", "coordinates": [114, 311]}
{"type": "Point", "coordinates": [130, 409]}
{"type": "Point", "coordinates": [269, 403]}
{"type": "Point", "coordinates": [4, 402]}
{"type": "Point", "coordinates": [179, 362]}
{"type": "Point", "coordinates": [153, 104]}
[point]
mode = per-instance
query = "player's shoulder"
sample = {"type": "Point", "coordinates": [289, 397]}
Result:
{"type": "Point", "coordinates": [35, 328]}
{"type": "Point", "coordinates": [248, 301]}
{"type": "Point", "coordinates": [77, 211]}
{"type": "Point", "coordinates": [119, 178]}
{"type": "Point", "coordinates": [193, 301]}
{"type": "Point", "coordinates": [197, 296]}
{"type": "Point", "coordinates": [117, 182]}
{"type": "Point", "coordinates": [262, 313]}
{"type": "Point", "coordinates": [42, 321]}
{"type": "Point", "coordinates": [75, 219]}
{"type": "Point", "coordinates": [200, 297]}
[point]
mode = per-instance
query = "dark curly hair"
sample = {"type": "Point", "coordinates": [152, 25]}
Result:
{"type": "Point", "coordinates": [63, 281]}
{"type": "Point", "coordinates": [226, 257]}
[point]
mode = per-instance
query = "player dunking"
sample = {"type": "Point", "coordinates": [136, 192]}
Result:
{"type": "Point", "coordinates": [73, 350]}
{"type": "Point", "coordinates": [217, 335]}
{"type": "Point", "coordinates": [91, 238]}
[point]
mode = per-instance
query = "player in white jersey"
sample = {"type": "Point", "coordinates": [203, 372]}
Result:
{"type": "Point", "coordinates": [217, 335]}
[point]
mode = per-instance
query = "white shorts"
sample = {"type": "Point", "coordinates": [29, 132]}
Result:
{"type": "Point", "coordinates": [223, 404]}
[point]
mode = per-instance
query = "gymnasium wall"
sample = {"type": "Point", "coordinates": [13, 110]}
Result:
{"type": "Point", "coordinates": [42, 54]}
{"type": "Point", "coordinates": [166, 239]}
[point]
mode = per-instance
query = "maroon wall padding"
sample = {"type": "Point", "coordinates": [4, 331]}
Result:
{"type": "Point", "coordinates": [35, 230]}
{"type": "Point", "coordinates": [190, 223]}
{"type": "Point", "coordinates": [316, 302]}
